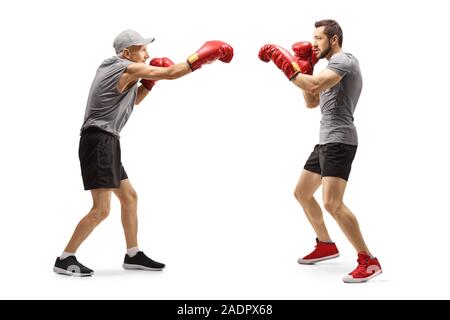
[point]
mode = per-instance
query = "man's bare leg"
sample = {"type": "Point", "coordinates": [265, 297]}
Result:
{"type": "Point", "coordinates": [128, 201]}
{"type": "Point", "coordinates": [307, 185]}
{"type": "Point", "coordinates": [100, 210]}
{"type": "Point", "coordinates": [333, 195]}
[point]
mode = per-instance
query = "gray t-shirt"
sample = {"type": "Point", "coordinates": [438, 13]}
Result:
{"type": "Point", "coordinates": [338, 103]}
{"type": "Point", "coordinates": [107, 108]}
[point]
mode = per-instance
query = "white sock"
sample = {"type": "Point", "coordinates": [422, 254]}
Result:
{"type": "Point", "coordinates": [132, 251]}
{"type": "Point", "coordinates": [66, 254]}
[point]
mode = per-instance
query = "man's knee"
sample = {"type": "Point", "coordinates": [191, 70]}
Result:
{"type": "Point", "coordinates": [302, 196]}
{"type": "Point", "coordinates": [130, 198]}
{"type": "Point", "coordinates": [99, 213]}
{"type": "Point", "coordinates": [333, 206]}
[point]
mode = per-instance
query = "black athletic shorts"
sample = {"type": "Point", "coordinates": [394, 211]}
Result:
{"type": "Point", "coordinates": [332, 160]}
{"type": "Point", "coordinates": [99, 154]}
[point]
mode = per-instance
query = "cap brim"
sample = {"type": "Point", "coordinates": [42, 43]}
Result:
{"type": "Point", "coordinates": [145, 42]}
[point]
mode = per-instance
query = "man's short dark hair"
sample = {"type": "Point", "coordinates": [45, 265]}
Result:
{"type": "Point", "coordinates": [332, 28]}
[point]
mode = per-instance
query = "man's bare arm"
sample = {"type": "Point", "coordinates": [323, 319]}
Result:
{"type": "Point", "coordinates": [317, 83]}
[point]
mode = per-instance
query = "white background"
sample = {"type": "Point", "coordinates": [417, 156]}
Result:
{"type": "Point", "coordinates": [215, 156]}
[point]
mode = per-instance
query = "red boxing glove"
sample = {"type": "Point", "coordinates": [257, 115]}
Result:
{"type": "Point", "coordinates": [210, 52]}
{"type": "Point", "coordinates": [156, 62]}
{"type": "Point", "coordinates": [282, 59]}
{"type": "Point", "coordinates": [306, 56]}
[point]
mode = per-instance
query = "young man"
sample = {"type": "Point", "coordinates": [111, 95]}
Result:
{"type": "Point", "coordinates": [113, 94]}
{"type": "Point", "coordinates": [336, 89]}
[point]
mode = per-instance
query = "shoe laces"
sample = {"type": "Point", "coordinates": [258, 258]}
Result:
{"type": "Point", "coordinates": [316, 247]}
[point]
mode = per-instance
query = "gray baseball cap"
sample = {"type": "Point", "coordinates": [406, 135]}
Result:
{"type": "Point", "coordinates": [129, 38]}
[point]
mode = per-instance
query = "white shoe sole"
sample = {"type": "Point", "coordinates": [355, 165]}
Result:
{"type": "Point", "coordinates": [138, 267]}
{"type": "Point", "coordinates": [70, 273]}
{"type": "Point", "coordinates": [350, 279]}
{"type": "Point", "coordinates": [312, 261]}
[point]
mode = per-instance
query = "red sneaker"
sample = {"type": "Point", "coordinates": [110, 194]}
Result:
{"type": "Point", "coordinates": [367, 269]}
{"type": "Point", "coordinates": [323, 251]}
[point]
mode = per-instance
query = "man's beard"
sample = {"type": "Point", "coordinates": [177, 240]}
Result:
{"type": "Point", "coordinates": [324, 53]}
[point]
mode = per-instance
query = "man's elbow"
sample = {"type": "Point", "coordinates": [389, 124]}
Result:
{"type": "Point", "coordinates": [312, 105]}
{"type": "Point", "coordinates": [138, 101]}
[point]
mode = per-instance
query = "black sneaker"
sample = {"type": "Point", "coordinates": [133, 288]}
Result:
{"type": "Point", "coordinates": [141, 262]}
{"type": "Point", "coordinates": [71, 267]}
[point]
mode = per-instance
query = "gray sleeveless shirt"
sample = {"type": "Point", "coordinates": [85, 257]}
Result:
{"type": "Point", "coordinates": [107, 108]}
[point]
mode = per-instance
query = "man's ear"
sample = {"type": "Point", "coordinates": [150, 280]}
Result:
{"type": "Point", "coordinates": [126, 53]}
{"type": "Point", "coordinates": [334, 39]}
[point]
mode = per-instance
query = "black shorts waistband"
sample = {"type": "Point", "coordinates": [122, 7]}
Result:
{"type": "Point", "coordinates": [95, 130]}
